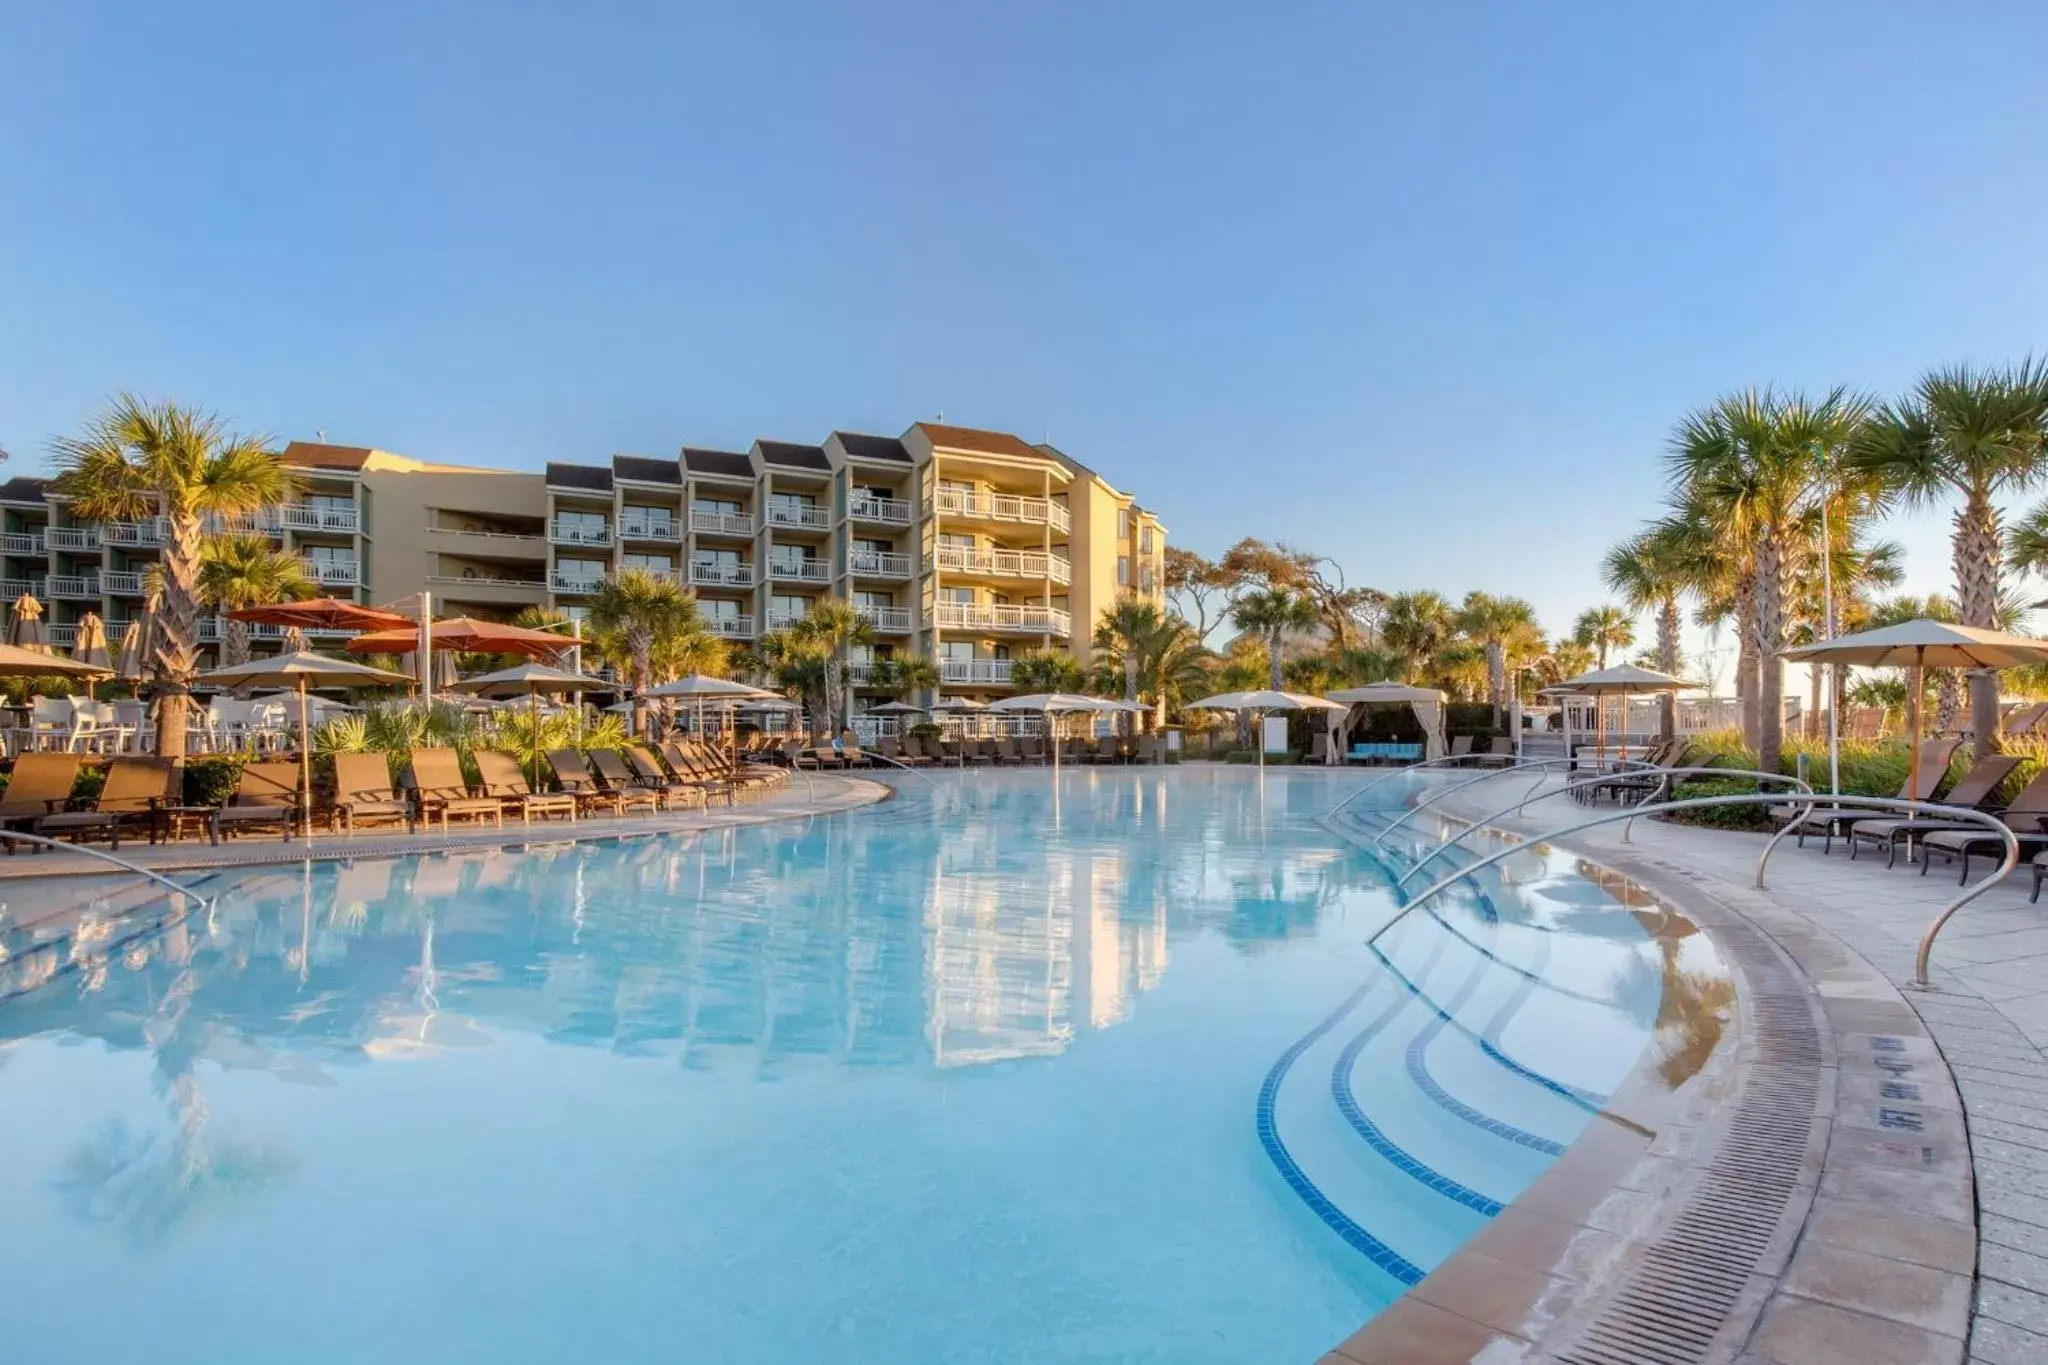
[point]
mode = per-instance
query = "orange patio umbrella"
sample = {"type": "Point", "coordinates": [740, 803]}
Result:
{"type": "Point", "coordinates": [323, 613]}
{"type": "Point", "coordinates": [466, 635]}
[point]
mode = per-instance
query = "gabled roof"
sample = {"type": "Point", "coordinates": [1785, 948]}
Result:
{"type": "Point", "coordinates": [861, 446]}
{"type": "Point", "coordinates": [793, 456]}
{"type": "Point", "coordinates": [978, 441]}
{"type": "Point", "coordinates": [729, 464]}
{"type": "Point", "coordinates": [24, 488]}
{"type": "Point", "coordinates": [320, 455]}
{"type": "Point", "coordinates": [586, 477]}
{"type": "Point", "coordinates": [641, 469]}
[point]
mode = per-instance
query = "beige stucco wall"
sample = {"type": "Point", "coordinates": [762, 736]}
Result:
{"type": "Point", "coordinates": [404, 498]}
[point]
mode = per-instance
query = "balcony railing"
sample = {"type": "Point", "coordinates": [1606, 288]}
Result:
{"type": "Point", "coordinates": [345, 573]}
{"type": "Point", "coordinates": [562, 534]}
{"type": "Point", "coordinates": [722, 523]}
{"type": "Point", "coordinates": [72, 537]}
{"type": "Point", "coordinates": [134, 533]}
{"type": "Point", "coordinates": [809, 518]}
{"type": "Point", "coordinates": [22, 543]}
{"type": "Point", "coordinates": [974, 670]}
{"type": "Point", "coordinates": [650, 528]}
{"type": "Point", "coordinates": [74, 585]}
{"type": "Point", "coordinates": [122, 584]}
{"type": "Point", "coordinates": [1003, 507]}
{"type": "Point", "coordinates": [860, 673]}
{"type": "Point", "coordinates": [63, 637]}
{"type": "Point", "coordinates": [893, 620]}
{"type": "Point", "coordinates": [738, 627]}
{"type": "Point", "coordinates": [722, 575]}
{"type": "Point", "coordinates": [778, 617]}
{"type": "Point", "coordinates": [303, 516]}
{"type": "Point", "coordinates": [800, 570]}
{"type": "Point", "coordinates": [976, 616]}
{"type": "Point", "coordinates": [887, 510]}
{"type": "Point", "coordinates": [477, 580]}
{"type": "Point", "coordinates": [249, 524]}
{"type": "Point", "coordinates": [1003, 563]}
{"type": "Point", "coordinates": [472, 534]}
{"type": "Point", "coordinates": [880, 563]}
{"type": "Point", "coordinates": [575, 582]}
{"type": "Point", "coordinates": [11, 589]}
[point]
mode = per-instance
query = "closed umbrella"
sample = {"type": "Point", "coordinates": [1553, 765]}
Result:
{"type": "Point", "coordinates": [132, 664]}
{"type": "Point", "coordinates": [91, 645]}
{"type": "Point", "coordinates": [26, 630]}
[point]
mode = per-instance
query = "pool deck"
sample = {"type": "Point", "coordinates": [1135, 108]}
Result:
{"type": "Point", "coordinates": [1909, 1197]}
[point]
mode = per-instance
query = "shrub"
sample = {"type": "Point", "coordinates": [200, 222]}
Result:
{"type": "Point", "coordinates": [1252, 756]}
{"type": "Point", "coordinates": [210, 778]}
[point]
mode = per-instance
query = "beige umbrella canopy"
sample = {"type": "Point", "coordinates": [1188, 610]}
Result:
{"type": "Point", "coordinates": [530, 680]}
{"type": "Point", "coordinates": [1924, 644]}
{"type": "Point", "coordinates": [1261, 701]}
{"type": "Point", "coordinates": [1623, 680]}
{"type": "Point", "coordinates": [16, 662]}
{"type": "Point", "coordinates": [26, 630]}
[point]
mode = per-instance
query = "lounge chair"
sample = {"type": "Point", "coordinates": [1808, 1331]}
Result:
{"type": "Point", "coordinates": [1977, 789]}
{"type": "Point", "coordinates": [265, 794]}
{"type": "Point", "coordinates": [1034, 749]}
{"type": "Point", "coordinates": [678, 788]}
{"type": "Point", "coordinates": [2024, 719]}
{"type": "Point", "coordinates": [444, 791]}
{"type": "Point", "coordinates": [611, 769]}
{"type": "Point", "coordinates": [502, 778]}
{"type": "Point", "coordinates": [1829, 822]}
{"type": "Point", "coordinates": [135, 789]}
{"type": "Point", "coordinates": [702, 764]}
{"type": "Point", "coordinates": [1461, 746]}
{"type": "Point", "coordinates": [573, 772]}
{"type": "Point", "coordinates": [2026, 817]}
{"type": "Point", "coordinates": [40, 786]}
{"type": "Point", "coordinates": [1147, 749]}
{"type": "Point", "coordinates": [363, 791]}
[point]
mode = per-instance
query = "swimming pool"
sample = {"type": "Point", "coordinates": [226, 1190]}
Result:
{"type": "Point", "coordinates": [995, 1071]}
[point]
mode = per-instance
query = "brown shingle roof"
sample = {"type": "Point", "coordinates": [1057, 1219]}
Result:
{"type": "Point", "coordinates": [793, 456]}
{"type": "Point", "coordinates": [974, 439]}
{"type": "Point", "coordinates": [641, 469]}
{"type": "Point", "coordinates": [588, 477]}
{"type": "Point", "coordinates": [24, 488]}
{"type": "Point", "coordinates": [729, 463]}
{"type": "Point", "coordinates": [861, 446]}
{"type": "Point", "coordinates": [319, 455]}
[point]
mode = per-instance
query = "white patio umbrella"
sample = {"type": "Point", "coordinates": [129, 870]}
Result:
{"type": "Point", "coordinates": [1051, 705]}
{"type": "Point", "coordinates": [531, 679]}
{"type": "Point", "coordinates": [896, 708]}
{"type": "Point", "coordinates": [1920, 645]}
{"type": "Point", "coordinates": [1623, 680]}
{"type": "Point", "coordinates": [700, 688]}
{"type": "Point", "coordinates": [1261, 701]}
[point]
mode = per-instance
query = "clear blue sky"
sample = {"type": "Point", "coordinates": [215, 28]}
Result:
{"type": "Point", "coordinates": [1374, 279]}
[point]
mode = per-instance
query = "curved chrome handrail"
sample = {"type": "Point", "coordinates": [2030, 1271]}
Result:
{"type": "Point", "coordinates": [103, 856]}
{"type": "Point", "coordinates": [1414, 768]}
{"type": "Point", "coordinates": [1798, 788]}
{"type": "Point", "coordinates": [1808, 800]}
{"type": "Point", "coordinates": [1428, 798]}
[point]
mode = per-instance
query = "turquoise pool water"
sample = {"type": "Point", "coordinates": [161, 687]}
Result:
{"type": "Point", "coordinates": [975, 1075]}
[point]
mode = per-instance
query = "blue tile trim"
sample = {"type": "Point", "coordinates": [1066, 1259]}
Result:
{"type": "Point", "coordinates": [1371, 1247]}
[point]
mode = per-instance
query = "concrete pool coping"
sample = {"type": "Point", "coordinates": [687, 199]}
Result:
{"type": "Point", "coordinates": [1806, 1196]}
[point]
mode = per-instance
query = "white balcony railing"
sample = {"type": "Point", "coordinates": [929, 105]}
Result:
{"type": "Point", "coordinates": [11, 589]}
{"type": "Point", "coordinates": [306, 516]}
{"type": "Point", "coordinates": [888, 510]}
{"type": "Point", "coordinates": [73, 585]}
{"type": "Point", "coordinates": [1003, 563]}
{"type": "Point", "coordinates": [737, 627]}
{"type": "Point", "coordinates": [800, 571]}
{"type": "Point", "coordinates": [134, 533]}
{"type": "Point", "coordinates": [860, 673]}
{"type": "Point", "coordinates": [977, 616]}
{"type": "Point", "coordinates": [892, 620]}
{"type": "Point", "coordinates": [779, 617]}
{"type": "Point", "coordinates": [22, 543]}
{"type": "Point", "coordinates": [63, 637]}
{"type": "Point", "coordinates": [1002, 507]}
{"type": "Point", "coordinates": [575, 582]}
{"type": "Point", "coordinates": [268, 523]}
{"type": "Point", "coordinates": [342, 573]}
{"type": "Point", "coordinates": [722, 523]}
{"type": "Point", "coordinates": [808, 518]}
{"type": "Point", "coordinates": [722, 575]}
{"type": "Point", "coordinates": [650, 528]}
{"type": "Point", "coordinates": [478, 580]}
{"type": "Point", "coordinates": [72, 537]}
{"type": "Point", "coordinates": [974, 670]}
{"type": "Point", "coordinates": [121, 584]}
{"type": "Point", "coordinates": [880, 564]}
{"type": "Point", "coordinates": [562, 534]}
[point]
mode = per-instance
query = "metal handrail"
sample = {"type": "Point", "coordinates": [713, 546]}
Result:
{"type": "Point", "coordinates": [1427, 798]}
{"type": "Point", "coordinates": [102, 855]}
{"type": "Point", "coordinates": [1797, 787]}
{"type": "Point", "coordinates": [1413, 768]}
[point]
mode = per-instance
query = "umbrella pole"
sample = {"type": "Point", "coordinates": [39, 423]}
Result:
{"type": "Point", "coordinates": [1834, 686]}
{"type": "Point", "coordinates": [533, 725]}
{"type": "Point", "coordinates": [1913, 771]}
{"type": "Point", "coordinates": [305, 765]}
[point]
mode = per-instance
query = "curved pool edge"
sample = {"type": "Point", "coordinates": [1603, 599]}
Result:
{"type": "Point", "coordinates": [1709, 1222]}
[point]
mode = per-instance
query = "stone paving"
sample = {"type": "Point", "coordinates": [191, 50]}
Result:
{"type": "Point", "coordinates": [1883, 1293]}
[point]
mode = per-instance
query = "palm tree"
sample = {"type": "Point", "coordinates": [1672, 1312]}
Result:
{"type": "Point", "coordinates": [1975, 433]}
{"type": "Point", "coordinates": [1131, 635]}
{"type": "Point", "coordinates": [635, 614]}
{"type": "Point", "coordinates": [145, 459]}
{"type": "Point", "coordinates": [1602, 629]}
{"type": "Point", "coordinates": [1651, 572]}
{"type": "Point", "coordinates": [236, 572]}
{"type": "Point", "coordinates": [1417, 625]}
{"type": "Point", "coordinates": [901, 674]}
{"type": "Point", "coordinates": [1046, 670]}
{"type": "Point", "coordinates": [798, 663]}
{"type": "Point", "coordinates": [1504, 627]}
{"type": "Point", "coordinates": [833, 625]}
{"type": "Point", "coordinates": [1274, 613]}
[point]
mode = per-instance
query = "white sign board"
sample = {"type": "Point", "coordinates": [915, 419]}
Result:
{"type": "Point", "coordinates": [1276, 734]}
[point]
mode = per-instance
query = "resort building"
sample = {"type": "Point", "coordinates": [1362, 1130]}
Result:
{"type": "Point", "coordinates": [965, 545]}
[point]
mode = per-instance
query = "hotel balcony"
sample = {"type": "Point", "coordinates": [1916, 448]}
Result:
{"type": "Point", "coordinates": [576, 583]}
{"type": "Point", "coordinates": [733, 627]}
{"type": "Point", "coordinates": [1003, 507]}
{"type": "Point", "coordinates": [11, 589]}
{"type": "Point", "coordinates": [76, 586]}
{"type": "Point", "coordinates": [722, 575]}
{"type": "Point", "coordinates": [722, 523]}
{"type": "Point", "coordinates": [1029, 620]}
{"type": "Point", "coordinates": [478, 586]}
{"type": "Point", "coordinates": [333, 573]}
{"type": "Point", "coordinates": [877, 564]}
{"type": "Point", "coordinates": [1002, 563]}
{"type": "Point", "coordinates": [562, 534]}
{"type": "Point", "coordinates": [975, 671]}
{"type": "Point", "coordinates": [212, 628]}
{"type": "Point", "coordinates": [121, 584]}
{"type": "Point", "coordinates": [300, 516]}
{"type": "Point", "coordinates": [22, 543]}
{"type": "Point", "coordinates": [666, 530]}
{"type": "Point", "coordinates": [72, 537]}
{"type": "Point", "coordinates": [250, 524]}
{"type": "Point", "coordinates": [886, 511]}
{"type": "Point", "coordinates": [860, 674]}
{"type": "Point", "coordinates": [781, 617]}
{"type": "Point", "coordinates": [799, 571]}
{"type": "Point", "coordinates": [800, 518]}
{"type": "Point", "coordinates": [144, 533]}
{"type": "Point", "coordinates": [889, 620]}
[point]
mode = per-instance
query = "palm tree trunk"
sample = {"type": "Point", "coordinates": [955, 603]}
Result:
{"type": "Point", "coordinates": [641, 646]}
{"type": "Point", "coordinates": [1130, 671]}
{"type": "Point", "coordinates": [178, 652]}
{"type": "Point", "coordinates": [1770, 633]}
{"type": "Point", "coordinates": [1273, 658]}
{"type": "Point", "coordinates": [1948, 697]}
{"type": "Point", "coordinates": [1978, 549]}
{"type": "Point", "coordinates": [1813, 684]}
{"type": "Point", "coordinates": [1747, 681]}
{"type": "Point", "coordinates": [234, 645]}
{"type": "Point", "coordinates": [1667, 662]}
{"type": "Point", "coordinates": [1496, 680]}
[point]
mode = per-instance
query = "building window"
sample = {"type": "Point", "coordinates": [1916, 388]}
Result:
{"type": "Point", "coordinates": [791, 556]}
{"type": "Point", "coordinates": [655, 564]}
{"type": "Point", "coordinates": [956, 541]}
{"type": "Point", "coordinates": [959, 596]}
{"type": "Point", "coordinates": [1123, 523]}
{"type": "Point", "coordinates": [1123, 571]}
{"type": "Point", "coordinates": [719, 609]}
{"type": "Point", "coordinates": [716, 559]}
{"type": "Point", "coordinates": [328, 505]}
{"type": "Point", "coordinates": [651, 518]}
{"type": "Point", "coordinates": [960, 486]}
{"type": "Point", "coordinates": [579, 521]}
{"type": "Point", "coordinates": [329, 554]}
{"type": "Point", "coordinates": [581, 570]}
{"type": "Point", "coordinates": [870, 545]}
{"type": "Point", "coordinates": [791, 502]}
{"type": "Point", "coordinates": [786, 605]}
{"type": "Point", "coordinates": [717, 507]}
{"type": "Point", "coordinates": [863, 598]}
{"type": "Point", "coordinates": [957, 651]}
{"type": "Point", "coordinates": [1145, 540]}
{"type": "Point", "coordinates": [577, 613]}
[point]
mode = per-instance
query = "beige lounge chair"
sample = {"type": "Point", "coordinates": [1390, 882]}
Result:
{"type": "Point", "coordinates": [40, 785]}
{"type": "Point", "coordinates": [1829, 822]}
{"type": "Point", "coordinates": [364, 793]}
{"type": "Point", "coordinates": [135, 789]}
{"type": "Point", "coordinates": [444, 791]}
{"type": "Point", "coordinates": [265, 794]}
{"type": "Point", "coordinates": [501, 777]}
{"type": "Point", "coordinates": [573, 771]}
{"type": "Point", "coordinates": [610, 767]}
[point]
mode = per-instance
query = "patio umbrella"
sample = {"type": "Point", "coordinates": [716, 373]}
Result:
{"type": "Point", "coordinates": [26, 630]}
{"type": "Point", "coordinates": [1920, 645]}
{"type": "Point", "coordinates": [1051, 705]}
{"type": "Point", "coordinates": [138, 649]}
{"type": "Point", "coordinates": [1261, 701]}
{"type": "Point", "coordinates": [91, 645]}
{"type": "Point", "coordinates": [1624, 680]}
{"type": "Point", "coordinates": [465, 635]}
{"type": "Point", "coordinates": [959, 704]}
{"type": "Point", "coordinates": [531, 680]}
{"type": "Point", "coordinates": [302, 671]}
{"type": "Point", "coordinates": [896, 708]}
{"type": "Point", "coordinates": [323, 613]}
{"type": "Point", "coordinates": [16, 662]}
{"type": "Point", "coordinates": [699, 688]}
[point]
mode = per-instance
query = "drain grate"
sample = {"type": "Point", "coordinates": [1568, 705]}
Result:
{"type": "Point", "coordinates": [1675, 1301]}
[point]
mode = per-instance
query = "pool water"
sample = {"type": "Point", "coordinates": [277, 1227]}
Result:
{"type": "Point", "coordinates": [996, 1071]}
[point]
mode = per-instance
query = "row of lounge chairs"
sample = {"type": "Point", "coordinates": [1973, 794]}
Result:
{"type": "Point", "coordinates": [141, 792]}
{"type": "Point", "coordinates": [1012, 751]}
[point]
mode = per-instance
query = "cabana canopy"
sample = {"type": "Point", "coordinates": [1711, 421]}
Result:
{"type": "Point", "coordinates": [1426, 702]}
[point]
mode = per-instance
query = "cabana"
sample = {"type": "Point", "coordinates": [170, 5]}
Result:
{"type": "Point", "coordinates": [1426, 702]}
